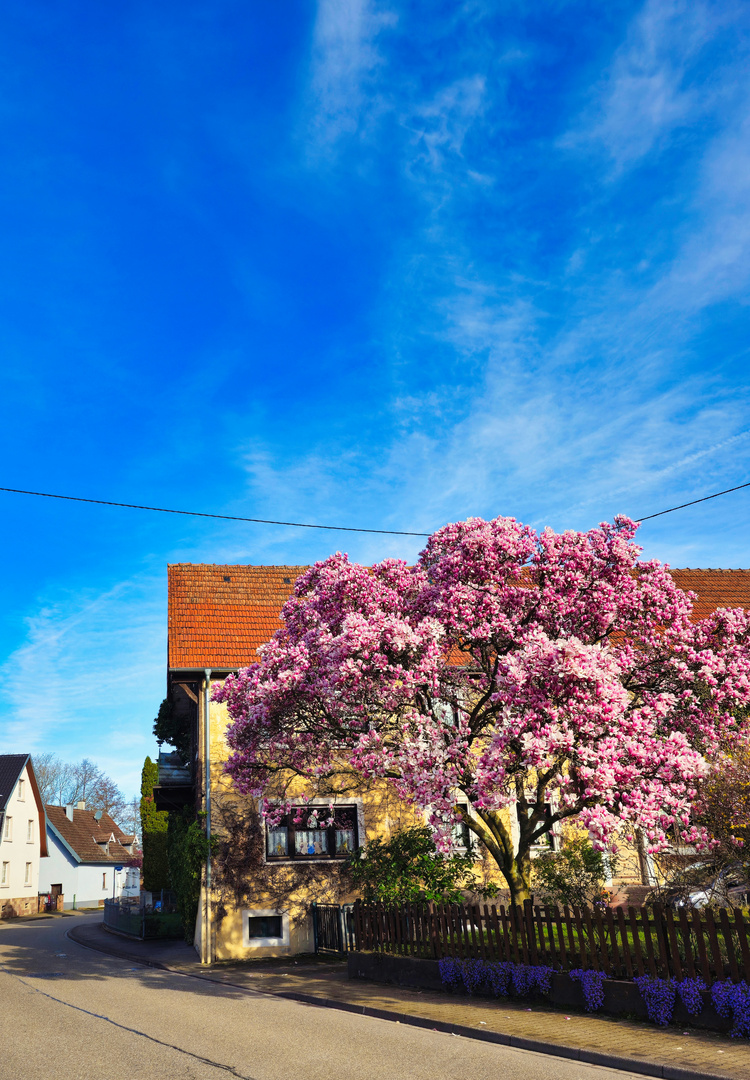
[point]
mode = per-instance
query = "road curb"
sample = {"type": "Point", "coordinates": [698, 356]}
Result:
{"type": "Point", "coordinates": [536, 1046]}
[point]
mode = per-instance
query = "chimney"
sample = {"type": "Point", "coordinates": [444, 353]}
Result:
{"type": "Point", "coordinates": [69, 811]}
{"type": "Point", "coordinates": [81, 804]}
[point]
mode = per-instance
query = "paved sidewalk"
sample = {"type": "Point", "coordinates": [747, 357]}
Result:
{"type": "Point", "coordinates": [631, 1046]}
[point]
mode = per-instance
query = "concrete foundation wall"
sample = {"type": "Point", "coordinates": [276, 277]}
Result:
{"type": "Point", "coordinates": [621, 997]}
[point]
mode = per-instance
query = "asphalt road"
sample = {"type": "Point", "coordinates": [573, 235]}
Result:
{"type": "Point", "coordinates": [73, 1014]}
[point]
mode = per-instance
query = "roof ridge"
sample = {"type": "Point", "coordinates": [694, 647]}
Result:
{"type": "Point", "coordinates": [712, 569]}
{"type": "Point", "coordinates": [245, 566]}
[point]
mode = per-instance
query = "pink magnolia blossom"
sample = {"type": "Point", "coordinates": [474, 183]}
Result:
{"type": "Point", "coordinates": [507, 668]}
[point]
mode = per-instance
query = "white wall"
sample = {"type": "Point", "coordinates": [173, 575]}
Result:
{"type": "Point", "coordinates": [85, 884]}
{"type": "Point", "coordinates": [18, 850]}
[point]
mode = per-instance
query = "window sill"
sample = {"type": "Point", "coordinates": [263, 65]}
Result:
{"type": "Point", "coordinates": [305, 860]}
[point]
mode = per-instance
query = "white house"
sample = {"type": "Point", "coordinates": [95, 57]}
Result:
{"type": "Point", "coordinates": [86, 848]}
{"type": "Point", "coordinates": [23, 837]}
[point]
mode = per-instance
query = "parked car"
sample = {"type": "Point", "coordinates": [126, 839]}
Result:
{"type": "Point", "coordinates": [703, 883]}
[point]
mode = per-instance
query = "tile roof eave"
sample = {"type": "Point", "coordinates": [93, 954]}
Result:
{"type": "Point", "coordinates": [200, 670]}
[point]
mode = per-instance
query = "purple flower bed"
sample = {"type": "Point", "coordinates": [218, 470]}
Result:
{"type": "Point", "coordinates": [593, 987]}
{"type": "Point", "coordinates": [659, 995]}
{"type": "Point", "coordinates": [498, 977]}
{"type": "Point", "coordinates": [730, 1000]}
{"type": "Point", "coordinates": [690, 991]}
{"type": "Point", "coordinates": [733, 999]}
{"type": "Point", "coordinates": [502, 978]}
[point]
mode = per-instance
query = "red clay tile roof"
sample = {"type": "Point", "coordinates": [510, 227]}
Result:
{"type": "Point", "coordinates": [715, 589]}
{"type": "Point", "coordinates": [83, 832]}
{"type": "Point", "coordinates": [220, 615]}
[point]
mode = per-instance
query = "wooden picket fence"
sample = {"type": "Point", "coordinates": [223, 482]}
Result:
{"type": "Point", "coordinates": [620, 942]}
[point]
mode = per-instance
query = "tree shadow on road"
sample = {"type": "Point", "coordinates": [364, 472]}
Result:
{"type": "Point", "coordinates": [44, 960]}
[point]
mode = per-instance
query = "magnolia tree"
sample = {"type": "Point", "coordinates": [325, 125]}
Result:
{"type": "Point", "coordinates": [535, 677]}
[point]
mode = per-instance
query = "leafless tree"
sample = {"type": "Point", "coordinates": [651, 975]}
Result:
{"type": "Point", "coordinates": [54, 778]}
{"type": "Point", "coordinates": [131, 820]}
{"type": "Point", "coordinates": [86, 777]}
{"type": "Point", "coordinates": [61, 783]}
{"type": "Point", "coordinates": [104, 794]}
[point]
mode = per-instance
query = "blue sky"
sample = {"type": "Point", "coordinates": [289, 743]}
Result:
{"type": "Point", "coordinates": [376, 264]}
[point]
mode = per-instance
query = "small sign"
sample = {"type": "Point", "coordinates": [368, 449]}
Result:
{"type": "Point", "coordinates": [119, 868]}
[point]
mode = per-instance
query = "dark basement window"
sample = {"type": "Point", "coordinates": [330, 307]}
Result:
{"type": "Point", "coordinates": [264, 926]}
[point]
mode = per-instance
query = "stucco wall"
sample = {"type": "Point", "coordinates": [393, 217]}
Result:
{"type": "Point", "coordinates": [379, 813]}
{"type": "Point", "coordinates": [17, 896]}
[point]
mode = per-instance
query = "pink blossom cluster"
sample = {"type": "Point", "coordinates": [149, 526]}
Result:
{"type": "Point", "coordinates": [502, 657]}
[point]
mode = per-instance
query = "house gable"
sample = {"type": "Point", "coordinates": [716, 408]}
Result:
{"type": "Point", "coordinates": [15, 768]}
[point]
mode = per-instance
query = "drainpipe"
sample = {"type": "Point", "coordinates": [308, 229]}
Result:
{"type": "Point", "coordinates": [207, 763]}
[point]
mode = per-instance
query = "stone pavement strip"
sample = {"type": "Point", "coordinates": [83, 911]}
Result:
{"type": "Point", "coordinates": [622, 1044]}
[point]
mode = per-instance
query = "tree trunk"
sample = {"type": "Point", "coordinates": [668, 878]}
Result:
{"type": "Point", "coordinates": [514, 866]}
{"type": "Point", "coordinates": [518, 876]}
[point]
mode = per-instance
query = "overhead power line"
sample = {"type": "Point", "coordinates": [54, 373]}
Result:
{"type": "Point", "coordinates": [307, 524]}
{"type": "Point", "coordinates": [693, 502]}
{"type": "Point", "coordinates": [223, 517]}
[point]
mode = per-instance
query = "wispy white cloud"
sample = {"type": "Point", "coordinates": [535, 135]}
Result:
{"type": "Point", "coordinates": [560, 394]}
{"type": "Point", "coordinates": [88, 677]}
{"type": "Point", "coordinates": [647, 93]}
{"type": "Point", "coordinates": [713, 261]}
{"type": "Point", "coordinates": [345, 58]}
{"type": "Point", "coordinates": [438, 126]}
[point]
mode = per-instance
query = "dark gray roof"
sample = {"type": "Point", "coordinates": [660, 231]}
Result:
{"type": "Point", "coordinates": [11, 767]}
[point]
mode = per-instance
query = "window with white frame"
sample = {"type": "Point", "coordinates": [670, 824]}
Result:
{"type": "Point", "coordinates": [9, 828]}
{"type": "Point", "coordinates": [27, 874]}
{"type": "Point", "coordinates": [460, 831]}
{"type": "Point", "coordinates": [263, 928]}
{"type": "Point", "coordinates": [549, 839]}
{"type": "Point", "coordinates": [21, 790]}
{"type": "Point", "coordinates": [30, 832]}
{"type": "Point", "coordinates": [5, 874]}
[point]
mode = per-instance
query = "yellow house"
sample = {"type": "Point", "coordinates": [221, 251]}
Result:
{"type": "Point", "coordinates": [257, 891]}
{"type": "Point", "coordinates": [258, 888]}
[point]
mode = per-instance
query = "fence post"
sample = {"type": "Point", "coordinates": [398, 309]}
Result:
{"type": "Point", "coordinates": [436, 951]}
{"type": "Point", "coordinates": [315, 925]}
{"type": "Point", "coordinates": [528, 914]}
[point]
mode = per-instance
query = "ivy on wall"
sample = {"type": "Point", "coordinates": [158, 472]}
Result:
{"type": "Point", "coordinates": [242, 877]}
{"type": "Point", "coordinates": [154, 830]}
{"type": "Point", "coordinates": [187, 847]}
